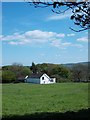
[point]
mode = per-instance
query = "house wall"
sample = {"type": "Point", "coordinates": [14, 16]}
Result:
{"type": "Point", "coordinates": [53, 80]}
{"type": "Point", "coordinates": [46, 79]}
{"type": "Point", "coordinates": [33, 80]}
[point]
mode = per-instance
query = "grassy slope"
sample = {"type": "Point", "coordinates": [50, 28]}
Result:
{"type": "Point", "coordinates": [20, 99]}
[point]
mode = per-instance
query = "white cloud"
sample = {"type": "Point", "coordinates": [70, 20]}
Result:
{"type": "Point", "coordinates": [61, 35]}
{"type": "Point", "coordinates": [67, 44]}
{"type": "Point", "coordinates": [30, 37]}
{"type": "Point", "coordinates": [59, 44]}
{"type": "Point", "coordinates": [1, 37]}
{"type": "Point", "coordinates": [60, 16]}
{"type": "Point", "coordinates": [78, 45]}
{"type": "Point", "coordinates": [38, 37]}
{"type": "Point", "coordinates": [13, 43]}
{"type": "Point", "coordinates": [16, 43]}
{"type": "Point", "coordinates": [70, 35]}
{"type": "Point", "coordinates": [38, 34]}
{"type": "Point", "coordinates": [64, 45]}
{"type": "Point", "coordinates": [83, 39]}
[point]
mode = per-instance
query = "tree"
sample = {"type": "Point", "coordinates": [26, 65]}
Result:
{"type": "Point", "coordinates": [80, 73]}
{"type": "Point", "coordinates": [26, 71]}
{"type": "Point", "coordinates": [33, 68]}
{"type": "Point", "coordinates": [61, 73]}
{"type": "Point", "coordinates": [19, 70]}
{"type": "Point", "coordinates": [43, 68]}
{"type": "Point", "coordinates": [8, 76]}
{"type": "Point", "coordinates": [80, 11]}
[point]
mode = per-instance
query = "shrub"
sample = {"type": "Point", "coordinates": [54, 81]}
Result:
{"type": "Point", "coordinates": [8, 76]}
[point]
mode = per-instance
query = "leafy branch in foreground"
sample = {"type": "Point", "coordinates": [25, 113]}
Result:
{"type": "Point", "coordinates": [80, 11]}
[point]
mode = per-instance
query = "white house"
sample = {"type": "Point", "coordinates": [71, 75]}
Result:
{"type": "Point", "coordinates": [40, 79]}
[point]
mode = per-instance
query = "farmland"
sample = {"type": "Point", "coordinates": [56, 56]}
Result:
{"type": "Point", "coordinates": [41, 100]}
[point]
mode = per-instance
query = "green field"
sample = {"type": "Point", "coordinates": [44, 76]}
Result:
{"type": "Point", "coordinates": [26, 99]}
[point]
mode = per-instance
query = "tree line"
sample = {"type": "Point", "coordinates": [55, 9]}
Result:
{"type": "Point", "coordinates": [75, 73]}
{"type": "Point", "coordinates": [14, 73]}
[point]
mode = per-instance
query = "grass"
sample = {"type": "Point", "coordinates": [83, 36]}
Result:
{"type": "Point", "coordinates": [23, 98]}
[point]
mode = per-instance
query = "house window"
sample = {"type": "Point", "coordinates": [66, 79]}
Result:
{"type": "Point", "coordinates": [42, 78]}
{"type": "Point", "coordinates": [51, 80]}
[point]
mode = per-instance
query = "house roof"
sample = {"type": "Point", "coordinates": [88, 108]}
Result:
{"type": "Point", "coordinates": [35, 75]}
{"type": "Point", "coordinates": [38, 75]}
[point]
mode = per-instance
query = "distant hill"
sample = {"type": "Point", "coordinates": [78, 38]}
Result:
{"type": "Point", "coordinates": [70, 65]}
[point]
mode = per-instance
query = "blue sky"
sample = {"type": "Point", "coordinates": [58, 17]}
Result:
{"type": "Point", "coordinates": [38, 35]}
